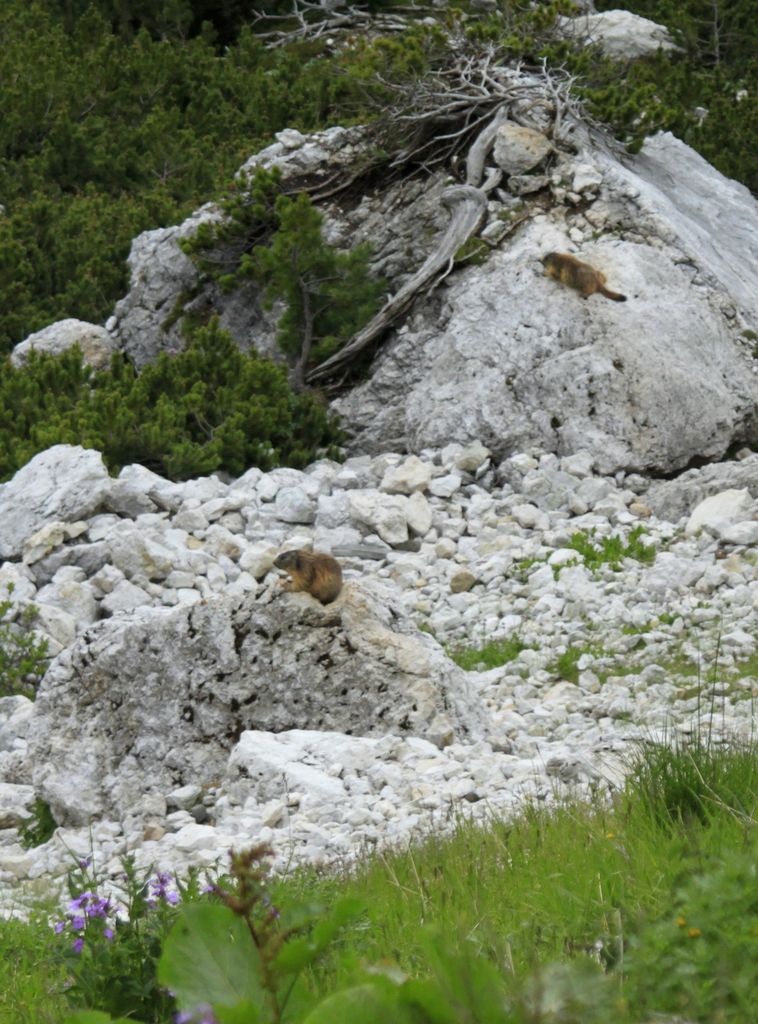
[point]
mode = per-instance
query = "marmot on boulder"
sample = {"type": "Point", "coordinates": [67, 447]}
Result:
{"type": "Point", "coordinates": [317, 574]}
{"type": "Point", "coordinates": [567, 269]}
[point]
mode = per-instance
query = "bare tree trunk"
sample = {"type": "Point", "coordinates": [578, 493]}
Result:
{"type": "Point", "coordinates": [297, 376]}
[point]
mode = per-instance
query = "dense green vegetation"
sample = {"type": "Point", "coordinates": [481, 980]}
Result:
{"type": "Point", "coordinates": [708, 91]}
{"type": "Point", "coordinates": [23, 657]}
{"type": "Point", "coordinates": [599, 913]}
{"type": "Point", "coordinates": [209, 407]}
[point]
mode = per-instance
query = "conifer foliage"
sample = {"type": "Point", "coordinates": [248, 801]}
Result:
{"type": "Point", "coordinates": [328, 294]}
{"type": "Point", "coordinates": [208, 408]}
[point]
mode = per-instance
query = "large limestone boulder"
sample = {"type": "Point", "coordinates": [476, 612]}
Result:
{"type": "Point", "coordinates": [65, 483]}
{"type": "Point", "coordinates": [97, 344]}
{"type": "Point", "coordinates": [164, 281]}
{"type": "Point", "coordinates": [519, 361]}
{"type": "Point", "coordinates": [672, 499]}
{"type": "Point", "coordinates": [148, 701]}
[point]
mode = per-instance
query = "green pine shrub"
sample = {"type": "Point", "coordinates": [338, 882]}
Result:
{"type": "Point", "coordinates": [207, 408]}
{"type": "Point", "coordinates": [23, 657]}
{"type": "Point", "coordinates": [276, 240]}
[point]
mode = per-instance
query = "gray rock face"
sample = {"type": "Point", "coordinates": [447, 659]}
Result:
{"type": "Point", "coordinates": [672, 499]}
{"type": "Point", "coordinates": [162, 276]}
{"type": "Point", "coordinates": [519, 361]}
{"type": "Point", "coordinates": [97, 344]}
{"type": "Point", "coordinates": [211, 671]}
{"type": "Point", "coordinates": [621, 35]}
{"type": "Point", "coordinates": [165, 282]}
{"type": "Point", "coordinates": [65, 483]}
{"type": "Point", "coordinates": [500, 354]}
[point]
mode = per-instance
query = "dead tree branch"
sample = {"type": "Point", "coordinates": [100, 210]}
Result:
{"type": "Point", "coordinates": [310, 21]}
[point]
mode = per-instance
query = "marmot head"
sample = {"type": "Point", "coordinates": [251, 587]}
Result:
{"type": "Point", "coordinates": [288, 560]}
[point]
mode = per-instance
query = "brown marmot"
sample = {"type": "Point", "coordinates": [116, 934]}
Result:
{"type": "Point", "coordinates": [314, 572]}
{"type": "Point", "coordinates": [569, 270]}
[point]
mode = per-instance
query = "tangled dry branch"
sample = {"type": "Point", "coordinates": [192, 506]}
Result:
{"type": "Point", "coordinates": [441, 114]}
{"type": "Point", "coordinates": [310, 21]}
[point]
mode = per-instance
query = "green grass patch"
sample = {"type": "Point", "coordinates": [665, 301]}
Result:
{"type": "Point", "coordinates": [694, 780]}
{"type": "Point", "coordinates": [32, 978]}
{"type": "Point", "coordinates": [490, 655]}
{"type": "Point", "coordinates": [611, 551]}
{"type": "Point", "coordinates": [610, 912]}
{"type": "Point", "coordinates": [566, 665]}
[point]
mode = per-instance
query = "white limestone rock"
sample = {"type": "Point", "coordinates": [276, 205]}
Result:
{"type": "Point", "coordinates": [745, 533]}
{"type": "Point", "coordinates": [445, 486]}
{"type": "Point", "coordinates": [16, 585]}
{"type": "Point", "coordinates": [386, 514]}
{"type": "Point", "coordinates": [418, 514]}
{"type": "Point", "coordinates": [137, 489]}
{"type": "Point", "coordinates": [471, 457]}
{"type": "Point", "coordinates": [15, 804]}
{"type": "Point", "coordinates": [125, 597]}
{"type": "Point", "coordinates": [258, 559]}
{"type": "Point", "coordinates": [644, 393]}
{"type": "Point", "coordinates": [295, 505]}
{"type": "Point", "coordinates": [96, 343]}
{"type": "Point", "coordinates": [65, 483]}
{"type": "Point", "coordinates": [724, 507]}
{"type": "Point", "coordinates": [160, 273]}
{"type": "Point", "coordinates": [410, 476]}
{"type": "Point", "coordinates": [145, 700]}
{"type": "Point", "coordinates": [15, 714]}
{"type": "Point", "coordinates": [69, 593]}
{"type": "Point", "coordinates": [138, 554]}
{"type": "Point", "coordinates": [48, 538]}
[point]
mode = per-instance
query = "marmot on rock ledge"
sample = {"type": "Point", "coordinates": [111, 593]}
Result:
{"type": "Point", "coordinates": [315, 573]}
{"type": "Point", "coordinates": [567, 269]}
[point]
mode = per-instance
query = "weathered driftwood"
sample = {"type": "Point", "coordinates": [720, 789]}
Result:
{"type": "Point", "coordinates": [468, 206]}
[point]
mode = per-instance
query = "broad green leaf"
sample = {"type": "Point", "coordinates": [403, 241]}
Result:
{"type": "Point", "coordinates": [301, 951]}
{"type": "Point", "coordinates": [209, 957]}
{"type": "Point", "coordinates": [96, 1017]}
{"type": "Point", "coordinates": [243, 1013]}
{"type": "Point", "coordinates": [365, 1003]}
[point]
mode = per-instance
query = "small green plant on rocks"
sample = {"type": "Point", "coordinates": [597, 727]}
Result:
{"type": "Point", "coordinates": [40, 827]}
{"type": "Point", "coordinates": [611, 551]}
{"type": "Point", "coordinates": [490, 655]}
{"type": "Point", "coordinates": [23, 657]}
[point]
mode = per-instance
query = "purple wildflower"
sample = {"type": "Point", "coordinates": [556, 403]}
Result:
{"type": "Point", "coordinates": [99, 908]}
{"type": "Point", "coordinates": [59, 926]}
{"type": "Point", "coordinates": [80, 902]}
{"type": "Point", "coordinates": [78, 945]}
{"type": "Point", "coordinates": [183, 1017]}
{"type": "Point", "coordinates": [77, 923]}
{"type": "Point", "coordinates": [85, 862]}
{"type": "Point", "coordinates": [108, 933]}
{"type": "Point", "coordinates": [159, 890]}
